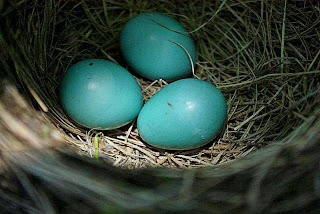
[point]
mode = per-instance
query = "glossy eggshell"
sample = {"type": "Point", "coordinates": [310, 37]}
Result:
{"type": "Point", "coordinates": [97, 93]}
{"type": "Point", "coordinates": [145, 45]}
{"type": "Point", "coordinates": [186, 114]}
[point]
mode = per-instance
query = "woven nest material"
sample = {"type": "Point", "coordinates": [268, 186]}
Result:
{"type": "Point", "coordinates": [263, 56]}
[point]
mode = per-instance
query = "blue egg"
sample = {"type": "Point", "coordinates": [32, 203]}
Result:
{"type": "Point", "coordinates": [100, 94]}
{"type": "Point", "coordinates": [186, 114]}
{"type": "Point", "coordinates": [146, 45]}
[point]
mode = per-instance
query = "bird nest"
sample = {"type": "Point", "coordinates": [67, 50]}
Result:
{"type": "Point", "coordinates": [263, 56]}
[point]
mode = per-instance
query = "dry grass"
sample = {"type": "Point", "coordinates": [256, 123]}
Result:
{"type": "Point", "coordinates": [263, 56]}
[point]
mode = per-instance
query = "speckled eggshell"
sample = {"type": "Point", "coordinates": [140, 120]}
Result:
{"type": "Point", "coordinates": [145, 45]}
{"type": "Point", "coordinates": [100, 94]}
{"type": "Point", "coordinates": [186, 114]}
